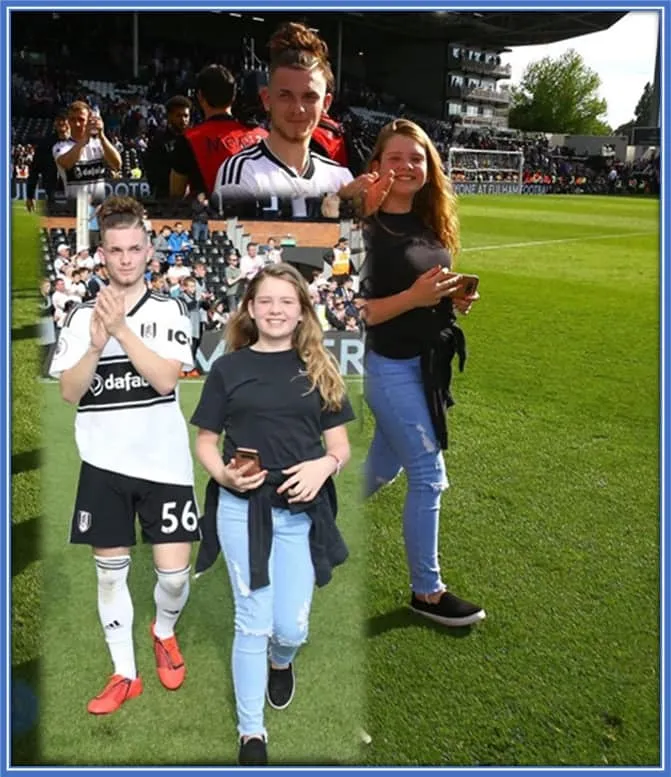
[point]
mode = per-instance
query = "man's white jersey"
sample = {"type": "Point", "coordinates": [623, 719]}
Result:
{"type": "Point", "coordinates": [123, 424]}
{"type": "Point", "coordinates": [88, 173]}
{"type": "Point", "coordinates": [256, 173]}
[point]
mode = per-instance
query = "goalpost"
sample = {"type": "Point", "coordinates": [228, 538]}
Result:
{"type": "Point", "coordinates": [482, 171]}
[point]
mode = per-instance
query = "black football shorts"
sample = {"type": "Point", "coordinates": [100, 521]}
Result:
{"type": "Point", "coordinates": [107, 503]}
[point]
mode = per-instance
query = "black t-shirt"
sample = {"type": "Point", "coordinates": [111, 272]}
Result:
{"type": "Point", "coordinates": [158, 161]}
{"type": "Point", "coordinates": [263, 400]}
{"type": "Point", "coordinates": [184, 162]}
{"type": "Point", "coordinates": [44, 164]}
{"type": "Point", "coordinates": [399, 248]}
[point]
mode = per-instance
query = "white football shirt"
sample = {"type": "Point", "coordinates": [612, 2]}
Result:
{"type": "Point", "coordinates": [123, 424]}
{"type": "Point", "coordinates": [256, 173]}
{"type": "Point", "coordinates": [88, 173]}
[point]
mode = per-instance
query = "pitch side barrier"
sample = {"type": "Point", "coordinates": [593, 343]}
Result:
{"type": "Point", "coordinates": [141, 190]}
{"type": "Point", "coordinates": [138, 188]}
{"type": "Point", "coordinates": [500, 187]}
{"type": "Point", "coordinates": [347, 347]}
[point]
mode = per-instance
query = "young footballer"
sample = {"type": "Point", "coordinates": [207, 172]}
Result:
{"type": "Point", "coordinates": [118, 359]}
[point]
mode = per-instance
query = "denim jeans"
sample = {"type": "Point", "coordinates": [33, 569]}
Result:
{"type": "Point", "coordinates": [199, 231]}
{"type": "Point", "coordinates": [271, 620]}
{"type": "Point", "coordinates": [404, 439]}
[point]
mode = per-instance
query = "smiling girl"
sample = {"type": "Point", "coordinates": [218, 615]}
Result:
{"type": "Point", "coordinates": [279, 392]}
{"type": "Point", "coordinates": [412, 337]}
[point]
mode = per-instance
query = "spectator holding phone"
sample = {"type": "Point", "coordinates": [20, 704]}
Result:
{"type": "Point", "coordinates": [275, 393]}
{"type": "Point", "coordinates": [412, 337]}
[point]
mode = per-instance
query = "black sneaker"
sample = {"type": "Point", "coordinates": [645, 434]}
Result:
{"type": "Point", "coordinates": [281, 687]}
{"type": "Point", "coordinates": [253, 752]}
{"type": "Point", "coordinates": [449, 610]}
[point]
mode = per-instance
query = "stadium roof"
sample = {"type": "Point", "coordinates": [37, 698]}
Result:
{"type": "Point", "coordinates": [492, 29]}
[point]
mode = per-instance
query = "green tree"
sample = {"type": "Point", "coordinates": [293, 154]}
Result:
{"type": "Point", "coordinates": [625, 129]}
{"type": "Point", "coordinates": [642, 110]}
{"type": "Point", "coordinates": [559, 95]}
{"type": "Point", "coordinates": [641, 113]}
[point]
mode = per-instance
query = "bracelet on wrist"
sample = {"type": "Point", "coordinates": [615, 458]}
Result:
{"type": "Point", "coordinates": [338, 462]}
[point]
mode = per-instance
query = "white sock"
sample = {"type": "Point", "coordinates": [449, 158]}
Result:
{"type": "Point", "coordinates": [170, 594]}
{"type": "Point", "coordinates": [115, 608]}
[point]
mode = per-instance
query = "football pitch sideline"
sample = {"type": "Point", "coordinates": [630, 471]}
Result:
{"type": "Point", "coordinates": [551, 523]}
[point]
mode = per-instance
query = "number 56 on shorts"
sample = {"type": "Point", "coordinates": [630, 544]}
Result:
{"type": "Point", "coordinates": [188, 520]}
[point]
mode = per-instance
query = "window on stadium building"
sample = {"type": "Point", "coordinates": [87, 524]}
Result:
{"type": "Point", "coordinates": [454, 109]}
{"type": "Point", "coordinates": [471, 110]}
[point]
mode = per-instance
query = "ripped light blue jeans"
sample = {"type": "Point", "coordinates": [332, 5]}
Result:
{"type": "Point", "coordinates": [275, 616]}
{"type": "Point", "coordinates": [404, 439]}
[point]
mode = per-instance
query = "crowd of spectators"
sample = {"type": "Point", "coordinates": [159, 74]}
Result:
{"type": "Point", "coordinates": [335, 300]}
{"type": "Point", "coordinates": [204, 270]}
{"type": "Point", "coordinates": [21, 159]}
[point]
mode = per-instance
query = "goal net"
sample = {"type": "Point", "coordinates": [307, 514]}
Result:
{"type": "Point", "coordinates": [480, 171]}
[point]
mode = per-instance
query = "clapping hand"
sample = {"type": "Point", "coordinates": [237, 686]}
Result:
{"type": "Point", "coordinates": [99, 335]}
{"type": "Point", "coordinates": [111, 310]}
{"type": "Point", "coordinates": [94, 126]}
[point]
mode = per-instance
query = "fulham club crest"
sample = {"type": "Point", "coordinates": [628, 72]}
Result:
{"type": "Point", "coordinates": [83, 521]}
{"type": "Point", "coordinates": [148, 331]}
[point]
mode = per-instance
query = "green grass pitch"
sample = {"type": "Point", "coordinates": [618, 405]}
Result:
{"type": "Point", "coordinates": [551, 522]}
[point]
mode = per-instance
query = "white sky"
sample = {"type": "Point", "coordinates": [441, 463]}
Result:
{"type": "Point", "coordinates": [623, 56]}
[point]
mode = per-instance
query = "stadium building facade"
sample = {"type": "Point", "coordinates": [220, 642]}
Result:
{"type": "Point", "coordinates": [473, 93]}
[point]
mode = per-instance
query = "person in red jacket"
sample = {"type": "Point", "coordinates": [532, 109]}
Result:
{"type": "Point", "coordinates": [328, 138]}
{"type": "Point", "coordinates": [201, 151]}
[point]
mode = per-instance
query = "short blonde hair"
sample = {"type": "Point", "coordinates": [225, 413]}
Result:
{"type": "Point", "coordinates": [77, 107]}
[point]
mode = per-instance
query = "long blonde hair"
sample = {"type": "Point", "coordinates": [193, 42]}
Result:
{"type": "Point", "coordinates": [435, 203]}
{"type": "Point", "coordinates": [308, 339]}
